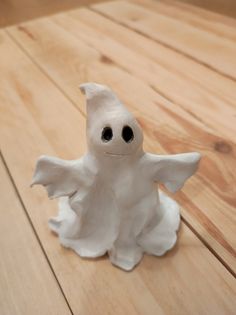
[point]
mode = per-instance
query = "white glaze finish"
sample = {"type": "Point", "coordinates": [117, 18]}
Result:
{"type": "Point", "coordinates": [109, 197]}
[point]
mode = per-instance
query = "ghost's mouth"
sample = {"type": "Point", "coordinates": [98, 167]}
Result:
{"type": "Point", "coordinates": [116, 154]}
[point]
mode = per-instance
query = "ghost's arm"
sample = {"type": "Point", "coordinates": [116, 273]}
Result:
{"type": "Point", "coordinates": [59, 177]}
{"type": "Point", "coordinates": [172, 170]}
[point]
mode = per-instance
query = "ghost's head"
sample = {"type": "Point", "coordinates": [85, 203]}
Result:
{"type": "Point", "coordinates": [111, 129]}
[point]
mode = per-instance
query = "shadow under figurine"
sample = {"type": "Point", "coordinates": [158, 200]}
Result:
{"type": "Point", "coordinates": [108, 198]}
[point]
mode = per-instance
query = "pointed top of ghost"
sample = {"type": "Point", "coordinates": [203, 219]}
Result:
{"type": "Point", "coordinates": [100, 97]}
{"type": "Point", "coordinates": [94, 90]}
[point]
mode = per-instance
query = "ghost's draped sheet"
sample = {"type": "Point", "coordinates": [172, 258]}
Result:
{"type": "Point", "coordinates": [86, 201]}
{"type": "Point", "coordinates": [87, 221]}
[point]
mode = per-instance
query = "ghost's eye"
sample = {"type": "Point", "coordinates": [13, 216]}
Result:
{"type": "Point", "coordinates": [107, 134]}
{"type": "Point", "coordinates": [127, 134]}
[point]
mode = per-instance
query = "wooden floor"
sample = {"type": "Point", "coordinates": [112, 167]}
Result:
{"type": "Point", "coordinates": [15, 11]}
{"type": "Point", "coordinates": [174, 66]}
{"type": "Point", "coordinates": [226, 7]}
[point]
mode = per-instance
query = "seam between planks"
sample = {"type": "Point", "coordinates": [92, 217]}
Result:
{"type": "Point", "coordinates": [33, 228]}
{"type": "Point", "coordinates": [163, 44]}
{"type": "Point", "coordinates": [204, 242]}
{"type": "Point", "coordinates": [156, 90]}
{"type": "Point", "coordinates": [188, 224]}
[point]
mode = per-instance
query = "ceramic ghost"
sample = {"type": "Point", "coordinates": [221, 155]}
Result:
{"type": "Point", "coordinates": [109, 201]}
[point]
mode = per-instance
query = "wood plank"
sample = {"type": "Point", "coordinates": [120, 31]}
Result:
{"type": "Point", "coordinates": [211, 189]}
{"type": "Point", "coordinates": [207, 48]}
{"type": "Point", "coordinates": [28, 285]}
{"type": "Point", "coordinates": [205, 20]}
{"type": "Point", "coordinates": [157, 286]}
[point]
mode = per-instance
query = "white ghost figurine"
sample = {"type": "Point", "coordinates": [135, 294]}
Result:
{"type": "Point", "coordinates": [109, 202]}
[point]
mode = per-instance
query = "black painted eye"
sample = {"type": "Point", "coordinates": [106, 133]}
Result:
{"type": "Point", "coordinates": [107, 134]}
{"type": "Point", "coordinates": [127, 134]}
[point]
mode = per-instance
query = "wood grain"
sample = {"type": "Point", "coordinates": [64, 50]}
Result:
{"type": "Point", "coordinates": [30, 110]}
{"type": "Point", "coordinates": [27, 283]}
{"type": "Point", "coordinates": [98, 33]}
{"type": "Point", "coordinates": [205, 47]}
{"type": "Point", "coordinates": [91, 53]}
{"type": "Point", "coordinates": [194, 90]}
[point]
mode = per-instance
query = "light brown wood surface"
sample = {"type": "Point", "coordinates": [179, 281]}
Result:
{"type": "Point", "coordinates": [202, 46]}
{"type": "Point", "coordinates": [227, 7]}
{"type": "Point", "coordinates": [182, 104]}
{"type": "Point", "coordinates": [15, 11]}
{"type": "Point", "coordinates": [205, 20]}
{"type": "Point", "coordinates": [27, 284]}
{"type": "Point", "coordinates": [187, 107]}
